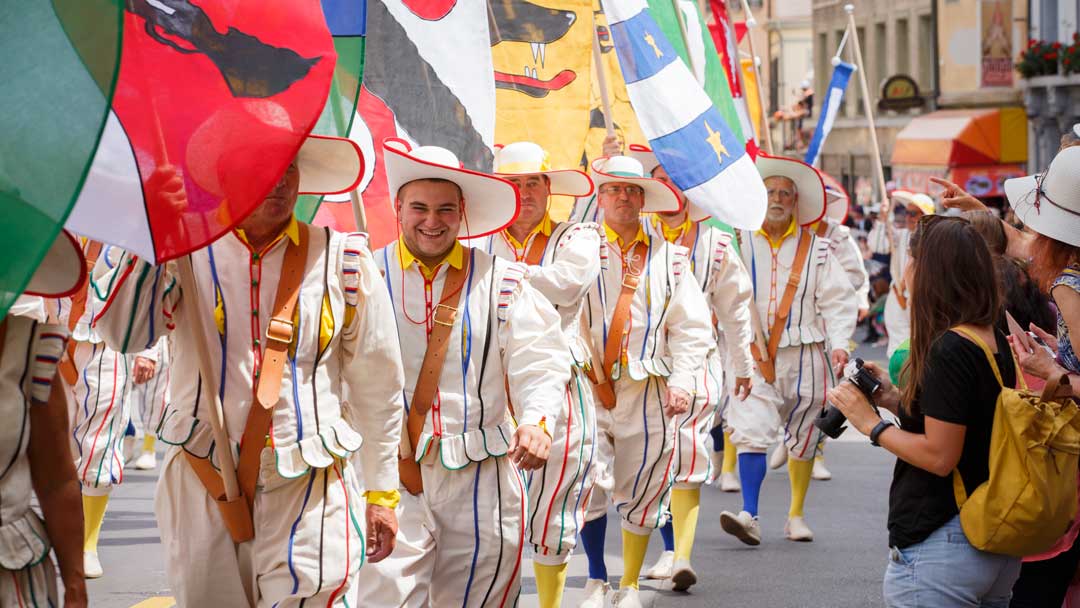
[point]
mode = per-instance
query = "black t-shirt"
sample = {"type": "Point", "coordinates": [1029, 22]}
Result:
{"type": "Point", "coordinates": [958, 387]}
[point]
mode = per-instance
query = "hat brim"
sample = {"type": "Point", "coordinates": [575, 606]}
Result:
{"type": "Point", "coordinates": [61, 272]}
{"type": "Point", "coordinates": [648, 161]}
{"type": "Point", "coordinates": [564, 182]}
{"type": "Point", "coordinates": [329, 165]}
{"type": "Point", "coordinates": [837, 206]}
{"type": "Point", "coordinates": [491, 203]}
{"type": "Point", "coordinates": [1046, 219]}
{"type": "Point", "coordinates": [659, 197]}
{"type": "Point", "coordinates": [811, 205]}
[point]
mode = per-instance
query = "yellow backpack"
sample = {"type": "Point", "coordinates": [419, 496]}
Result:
{"type": "Point", "coordinates": [1029, 501]}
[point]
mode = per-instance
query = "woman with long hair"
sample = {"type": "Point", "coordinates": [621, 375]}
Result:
{"type": "Point", "coordinates": [946, 412]}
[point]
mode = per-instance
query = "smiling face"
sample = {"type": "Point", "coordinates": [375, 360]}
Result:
{"type": "Point", "coordinates": [430, 213]}
{"type": "Point", "coordinates": [783, 196]}
{"type": "Point", "coordinates": [535, 190]}
{"type": "Point", "coordinates": [622, 203]}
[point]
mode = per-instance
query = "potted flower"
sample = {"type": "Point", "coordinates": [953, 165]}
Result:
{"type": "Point", "coordinates": [1040, 58]}
{"type": "Point", "coordinates": [1070, 56]}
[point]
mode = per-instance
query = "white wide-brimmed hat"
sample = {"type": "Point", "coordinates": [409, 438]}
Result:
{"type": "Point", "coordinates": [491, 203]}
{"type": "Point", "coordinates": [920, 201]}
{"type": "Point", "coordinates": [61, 272]}
{"type": "Point", "coordinates": [649, 163]}
{"type": "Point", "coordinates": [528, 158]}
{"type": "Point", "coordinates": [329, 165]}
{"type": "Point", "coordinates": [659, 197]}
{"type": "Point", "coordinates": [811, 205]}
{"type": "Point", "coordinates": [837, 200]}
{"type": "Point", "coordinates": [1049, 203]}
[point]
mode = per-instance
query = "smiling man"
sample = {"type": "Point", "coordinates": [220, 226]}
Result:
{"type": "Point", "coordinates": [648, 318]}
{"type": "Point", "coordinates": [477, 421]}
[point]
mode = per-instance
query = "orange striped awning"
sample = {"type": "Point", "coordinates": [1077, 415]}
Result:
{"type": "Point", "coordinates": [958, 138]}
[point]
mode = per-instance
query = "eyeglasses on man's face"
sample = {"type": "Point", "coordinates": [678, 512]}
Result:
{"type": "Point", "coordinates": [617, 190]}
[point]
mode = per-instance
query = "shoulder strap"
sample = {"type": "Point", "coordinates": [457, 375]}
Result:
{"type": "Point", "coordinates": [78, 306]}
{"type": "Point", "coordinates": [794, 277]}
{"type": "Point", "coordinates": [619, 318]}
{"type": "Point", "coordinates": [536, 249]}
{"type": "Point", "coordinates": [279, 335]}
{"type": "Point", "coordinates": [970, 335]}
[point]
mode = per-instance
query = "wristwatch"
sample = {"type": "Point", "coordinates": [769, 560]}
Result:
{"type": "Point", "coordinates": [878, 430]}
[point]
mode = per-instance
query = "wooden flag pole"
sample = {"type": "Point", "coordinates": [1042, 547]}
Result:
{"type": "Point", "coordinates": [867, 106]}
{"type": "Point", "coordinates": [766, 130]}
{"type": "Point", "coordinates": [601, 81]}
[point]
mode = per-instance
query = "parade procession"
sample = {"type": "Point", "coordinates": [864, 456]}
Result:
{"type": "Point", "coordinates": [432, 303]}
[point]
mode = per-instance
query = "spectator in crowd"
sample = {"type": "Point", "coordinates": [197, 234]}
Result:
{"type": "Point", "coordinates": [946, 412]}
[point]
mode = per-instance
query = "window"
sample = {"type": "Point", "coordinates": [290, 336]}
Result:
{"type": "Point", "coordinates": [881, 70]}
{"type": "Point", "coordinates": [903, 47]}
{"type": "Point", "coordinates": [822, 67]}
{"type": "Point", "coordinates": [1048, 19]}
{"type": "Point", "coordinates": [926, 53]}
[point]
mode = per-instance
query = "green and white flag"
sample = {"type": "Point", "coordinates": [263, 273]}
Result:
{"type": "Point", "coordinates": [59, 67]}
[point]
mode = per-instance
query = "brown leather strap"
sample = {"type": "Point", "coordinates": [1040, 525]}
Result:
{"type": "Point", "coordinates": [617, 330]}
{"type": "Point", "coordinates": [821, 228]}
{"type": "Point", "coordinates": [536, 249]}
{"type": "Point", "coordinates": [234, 513]}
{"type": "Point", "coordinates": [784, 311]}
{"type": "Point", "coordinates": [91, 251]}
{"type": "Point", "coordinates": [279, 335]}
{"type": "Point", "coordinates": [427, 381]}
{"type": "Point", "coordinates": [901, 299]}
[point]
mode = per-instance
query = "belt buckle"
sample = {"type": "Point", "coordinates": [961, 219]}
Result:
{"type": "Point", "coordinates": [280, 330]}
{"type": "Point", "coordinates": [452, 313]}
{"type": "Point", "coordinates": [633, 284]}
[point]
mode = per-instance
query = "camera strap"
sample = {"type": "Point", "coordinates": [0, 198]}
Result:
{"type": "Point", "coordinates": [765, 363]}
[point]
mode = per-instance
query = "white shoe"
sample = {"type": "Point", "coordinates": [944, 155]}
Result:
{"type": "Point", "coordinates": [778, 457]}
{"type": "Point", "coordinates": [821, 473]}
{"type": "Point", "coordinates": [662, 568]}
{"type": "Point", "coordinates": [91, 565]}
{"type": "Point", "coordinates": [682, 576]}
{"type": "Point", "coordinates": [716, 463]}
{"type": "Point", "coordinates": [627, 597]}
{"type": "Point", "coordinates": [796, 529]}
{"type": "Point", "coordinates": [729, 482]}
{"type": "Point", "coordinates": [147, 461]}
{"type": "Point", "coordinates": [743, 526]}
{"type": "Point", "coordinates": [595, 592]}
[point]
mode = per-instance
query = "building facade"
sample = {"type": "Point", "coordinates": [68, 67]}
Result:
{"type": "Point", "coordinates": [1052, 102]}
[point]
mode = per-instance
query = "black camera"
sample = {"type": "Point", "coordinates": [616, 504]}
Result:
{"type": "Point", "coordinates": [831, 420]}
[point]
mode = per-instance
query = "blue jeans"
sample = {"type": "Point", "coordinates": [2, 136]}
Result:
{"type": "Point", "coordinates": [945, 571]}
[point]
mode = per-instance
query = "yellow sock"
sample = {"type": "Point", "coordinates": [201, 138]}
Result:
{"type": "Point", "coordinates": [730, 456]}
{"type": "Point", "coordinates": [633, 555]}
{"type": "Point", "coordinates": [148, 443]}
{"type": "Point", "coordinates": [550, 581]}
{"type": "Point", "coordinates": [799, 472]}
{"type": "Point", "coordinates": [93, 516]}
{"type": "Point", "coordinates": [684, 516]}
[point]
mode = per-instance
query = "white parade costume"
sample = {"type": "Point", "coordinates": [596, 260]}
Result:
{"type": "Point", "coordinates": [340, 405]}
{"type": "Point", "coordinates": [149, 399]}
{"type": "Point", "coordinates": [843, 247]}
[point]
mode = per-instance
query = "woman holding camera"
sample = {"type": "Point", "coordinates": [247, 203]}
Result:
{"type": "Point", "coordinates": [946, 412]}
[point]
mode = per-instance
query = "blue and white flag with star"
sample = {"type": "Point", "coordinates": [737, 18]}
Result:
{"type": "Point", "coordinates": [686, 131]}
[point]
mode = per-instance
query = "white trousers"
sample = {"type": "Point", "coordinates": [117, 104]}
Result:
{"type": "Point", "coordinates": [635, 448]}
{"type": "Point", "coordinates": [693, 443]}
{"type": "Point", "coordinates": [459, 542]}
{"type": "Point", "coordinates": [148, 399]}
{"type": "Point", "coordinates": [100, 415]}
{"type": "Point", "coordinates": [555, 492]}
{"type": "Point", "coordinates": [32, 586]}
{"type": "Point", "coordinates": [897, 323]}
{"type": "Point", "coordinates": [803, 373]}
{"type": "Point", "coordinates": [308, 545]}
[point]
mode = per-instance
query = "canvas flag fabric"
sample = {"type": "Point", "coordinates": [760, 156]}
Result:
{"type": "Point", "coordinates": [218, 94]}
{"type": "Point", "coordinates": [753, 99]}
{"type": "Point", "coordinates": [59, 67]}
{"type": "Point", "coordinates": [427, 79]}
{"type": "Point", "coordinates": [690, 137]}
{"type": "Point", "coordinates": [830, 107]}
{"type": "Point", "coordinates": [726, 36]}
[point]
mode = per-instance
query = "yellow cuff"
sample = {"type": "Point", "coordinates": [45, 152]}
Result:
{"type": "Point", "coordinates": [388, 499]}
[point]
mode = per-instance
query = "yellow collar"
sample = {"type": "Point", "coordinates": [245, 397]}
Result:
{"type": "Point", "coordinates": [545, 227]}
{"type": "Point", "coordinates": [790, 231]}
{"type": "Point", "coordinates": [672, 234]}
{"type": "Point", "coordinates": [455, 258]}
{"type": "Point", "coordinates": [292, 231]}
{"type": "Point", "coordinates": [613, 237]}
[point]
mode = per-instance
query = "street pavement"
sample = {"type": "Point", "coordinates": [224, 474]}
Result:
{"type": "Point", "coordinates": [843, 567]}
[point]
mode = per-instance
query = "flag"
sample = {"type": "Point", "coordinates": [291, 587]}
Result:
{"type": "Point", "coordinates": [699, 53]}
{"type": "Point", "coordinates": [830, 106]}
{"type": "Point", "coordinates": [220, 94]}
{"type": "Point", "coordinates": [59, 67]}
{"type": "Point", "coordinates": [689, 135]}
{"type": "Point", "coordinates": [726, 37]}
{"type": "Point", "coordinates": [427, 78]}
{"type": "Point", "coordinates": [753, 99]}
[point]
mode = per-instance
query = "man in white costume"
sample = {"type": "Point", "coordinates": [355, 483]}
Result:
{"type": "Point", "coordinates": [148, 395]}
{"type": "Point", "coordinates": [720, 275]}
{"type": "Point", "coordinates": [649, 324]}
{"type": "Point", "coordinates": [805, 304]}
{"type": "Point", "coordinates": [563, 263]}
{"type": "Point", "coordinates": [486, 368]}
{"type": "Point", "coordinates": [300, 327]}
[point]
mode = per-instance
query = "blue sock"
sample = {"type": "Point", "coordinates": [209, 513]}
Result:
{"type": "Point", "coordinates": [717, 433]}
{"type": "Point", "coordinates": [668, 534]}
{"type": "Point", "coordinates": [751, 474]}
{"type": "Point", "coordinates": [592, 540]}
{"type": "Point", "coordinates": [130, 430]}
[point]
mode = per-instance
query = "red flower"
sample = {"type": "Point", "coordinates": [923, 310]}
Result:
{"type": "Point", "coordinates": [1076, 35]}
{"type": "Point", "coordinates": [1056, 45]}
{"type": "Point", "coordinates": [1067, 62]}
{"type": "Point", "coordinates": [1032, 42]}
{"type": "Point", "coordinates": [1050, 56]}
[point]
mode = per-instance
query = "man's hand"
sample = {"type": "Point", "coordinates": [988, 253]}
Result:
{"type": "Point", "coordinates": [611, 146]}
{"type": "Point", "coordinates": [742, 388]}
{"type": "Point", "coordinates": [165, 188]}
{"type": "Point", "coordinates": [142, 371]}
{"type": "Point", "coordinates": [863, 313]}
{"type": "Point", "coordinates": [839, 360]}
{"type": "Point", "coordinates": [382, 528]}
{"type": "Point", "coordinates": [529, 448]}
{"type": "Point", "coordinates": [956, 197]}
{"type": "Point", "coordinates": [678, 402]}
{"type": "Point", "coordinates": [75, 594]}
